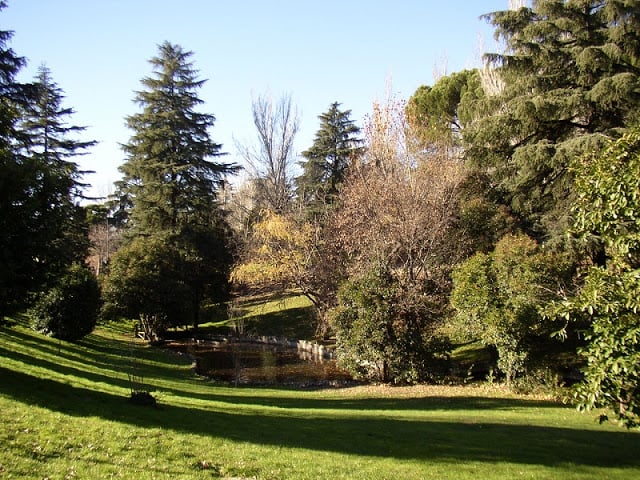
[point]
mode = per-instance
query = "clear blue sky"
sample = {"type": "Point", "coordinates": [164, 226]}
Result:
{"type": "Point", "coordinates": [318, 52]}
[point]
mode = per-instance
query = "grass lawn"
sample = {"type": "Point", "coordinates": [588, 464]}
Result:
{"type": "Point", "coordinates": [283, 315]}
{"type": "Point", "coordinates": [64, 413]}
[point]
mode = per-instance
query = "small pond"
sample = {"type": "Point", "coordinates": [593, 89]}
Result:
{"type": "Point", "coordinates": [249, 363]}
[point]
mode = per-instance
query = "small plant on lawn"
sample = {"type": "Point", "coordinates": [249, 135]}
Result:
{"type": "Point", "coordinates": [139, 393]}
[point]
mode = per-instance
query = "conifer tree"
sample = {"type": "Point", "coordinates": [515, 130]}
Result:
{"type": "Point", "coordinates": [14, 262]}
{"type": "Point", "coordinates": [171, 179]}
{"type": "Point", "coordinates": [336, 144]}
{"type": "Point", "coordinates": [170, 174]}
{"type": "Point", "coordinates": [49, 144]}
{"type": "Point", "coordinates": [41, 225]}
{"type": "Point", "coordinates": [571, 80]}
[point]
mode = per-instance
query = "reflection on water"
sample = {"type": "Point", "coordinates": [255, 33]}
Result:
{"type": "Point", "coordinates": [261, 364]}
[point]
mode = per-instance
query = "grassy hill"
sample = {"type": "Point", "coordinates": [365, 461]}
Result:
{"type": "Point", "coordinates": [64, 413]}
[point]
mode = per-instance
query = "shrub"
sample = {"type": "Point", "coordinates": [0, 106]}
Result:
{"type": "Point", "coordinates": [69, 310]}
{"type": "Point", "coordinates": [385, 333]}
{"type": "Point", "coordinates": [498, 297]}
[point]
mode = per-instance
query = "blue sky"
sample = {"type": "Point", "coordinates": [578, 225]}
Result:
{"type": "Point", "coordinates": [318, 52]}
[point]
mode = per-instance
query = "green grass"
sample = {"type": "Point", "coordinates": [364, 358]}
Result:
{"type": "Point", "coordinates": [286, 315]}
{"type": "Point", "coordinates": [64, 414]}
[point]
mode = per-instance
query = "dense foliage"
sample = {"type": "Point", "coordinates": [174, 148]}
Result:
{"type": "Point", "coordinates": [608, 213]}
{"type": "Point", "coordinates": [498, 298]}
{"type": "Point", "coordinates": [42, 229]}
{"type": "Point", "coordinates": [68, 310]}
{"type": "Point", "coordinates": [569, 80]}
{"type": "Point", "coordinates": [385, 333]}
{"type": "Point", "coordinates": [145, 282]}
{"type": "Point", "coordinates": [485, 206]}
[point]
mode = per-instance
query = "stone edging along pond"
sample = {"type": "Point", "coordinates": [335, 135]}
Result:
{"type": "Point", "coordinates": [321, 351]}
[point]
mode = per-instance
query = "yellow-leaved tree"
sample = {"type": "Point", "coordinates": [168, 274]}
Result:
{"type": "Point", "coordinates": [284, 253]}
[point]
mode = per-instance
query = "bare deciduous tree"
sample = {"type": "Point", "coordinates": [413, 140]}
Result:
{"type": "Point", "coordinates": [271, 160]}
{"type": "Point", "coordinates": [401, 205]}
{"type": "Point", "coordinates": [397, 230]}
{"type": "Point", "coordinates": [105, 240]}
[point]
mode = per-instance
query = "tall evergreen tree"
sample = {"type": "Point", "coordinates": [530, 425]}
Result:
{"type": "Point", "coordinates": [171, 178]}
{"type": "Point", "coordinates": [40, 223]}
{"type": "Point", "coordinates": [14, 263]}
{"type": "Point", "coordinates": [571, 79]}
{"type": "Point", "coordinates": [169, 175]}
{"type": "Point", "coordinates": [49, 144]}
{"type": "Point", "coordinates": [336, 144]}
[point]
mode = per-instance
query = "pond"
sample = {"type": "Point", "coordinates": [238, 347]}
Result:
{"type": "Point", "coordinates": [252, 363]}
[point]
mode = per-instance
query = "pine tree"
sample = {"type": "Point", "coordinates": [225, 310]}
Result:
{"type": "Point", "coordinates": [571, 80]}
{"type": "Point", "coordinates": [169, 174]}
{"type": "Point", "coordinates": [42, 229]}
{"type": "Point", "coordinates": [49, 145]}
{"type": "Point", "coordinates": [336, 145]}
{"type": "Point", "coordinates": [15, 278]}
{"type": "Point", "coordinates": [171, 178]}
{"type": "Point", "coordinates": [435, 113]}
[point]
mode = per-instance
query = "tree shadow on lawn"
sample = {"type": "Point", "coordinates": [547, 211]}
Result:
{"type": "Point", "coordinates": [84, 352]}
{"type": "Point", "coordinates": [369, 435]}
{"type": "Point", "coordinates": [294, 323]}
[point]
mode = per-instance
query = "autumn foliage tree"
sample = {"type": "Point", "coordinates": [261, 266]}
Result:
{"type": "Point", "coordinates": [396, 222]}
{"type": "Point", "coordinates": [288, 253]}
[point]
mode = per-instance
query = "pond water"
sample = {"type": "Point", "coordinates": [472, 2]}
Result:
{"type": "Point", "coordinates": [244, 363]}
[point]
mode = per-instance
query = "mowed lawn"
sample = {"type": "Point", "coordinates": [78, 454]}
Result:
{"type": "Point", "coordinates": [64, 413]}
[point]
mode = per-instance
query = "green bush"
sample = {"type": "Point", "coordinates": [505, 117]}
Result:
{"type": "Point", "coordinates": [69, 310]}
{"type": "Point", "coordinates": [607, 213]}
{"type": "Point", "coordinates": [385, 333]}
{"type": "Point", "coordinates": [497, 297]}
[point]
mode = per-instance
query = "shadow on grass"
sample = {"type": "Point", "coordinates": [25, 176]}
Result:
{"type": "Point", "coordinates": [90, 350]}
{"type": "Point", "coordinates": [426, 440]}
{"type": "Point", "coordinates": [343, 425]}
{"type": "Point", "coordinates": [294, 323]}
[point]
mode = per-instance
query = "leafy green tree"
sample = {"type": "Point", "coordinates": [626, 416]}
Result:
{"type": "Point", "coordinates": [145, 282]}
{"type": "Point", "coordinates": [438, 112]}
{"type": "Point", "coordinates": [171, 179]}
{"type": "Point", "coordinates": [607, 212]}
{"type": "Point", "coordinates": [69, 309]}
{"type": "Point", "coordinates": [382, 332]}
{"type": "Point", "coordinates": [335, 146]}
{"type": "Point", "coordinates": [570, 80]}
{"type": "Point", "coordinates": [498, 298]}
